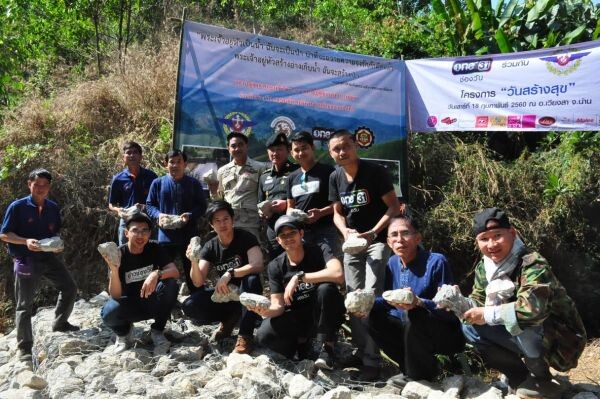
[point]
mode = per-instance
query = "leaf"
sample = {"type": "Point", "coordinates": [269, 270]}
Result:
{"type": "Point", "coordinates": [539, 8]}
{"type": "Point", "coordinates": [596, 31]}
{"type": "Point", "coordinates": [570, 36]}
{"type": "Point", "coordinates": [502, 41]}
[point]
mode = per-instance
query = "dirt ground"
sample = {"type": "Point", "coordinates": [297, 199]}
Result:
{"type": "Point", "coordinates": [588, 368]}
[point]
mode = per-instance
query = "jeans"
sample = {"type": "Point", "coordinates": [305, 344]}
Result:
{"type": "Point", "coordinates": [529, 343]}
{"type": "Point", "coordinates": [200, 307]}
{"type": "Point", "coordinates": [118, 314]}
{"type": "Point", "coordinates": [55, 271]}
{"type": "Point", "coordinates": [323, 317]}
{"type": "Point", "coordinates": [367, 271]}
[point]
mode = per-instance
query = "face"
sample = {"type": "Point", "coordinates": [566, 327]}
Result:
{"type": "Point", "coordinates": [303, 152]}
{"type": "Point", "coordinates": [343, 150]}
{"type": "Point", "coordinates": [496, 243]}
{"type": "Point", "coordinates": [39, 188]}
{"type": "Point", "coordinates": [278, 154]}
{"type": "Point", "coordinates": [132, 158]}
{"type": "Point", "coordinates": [176, 166]}
{"type": "Point", "coordinates": [138, 234]}
{"type": "Point", "coordinates": [222, 222]}
{"type": "Point", "coordinates": [290, 238]}
{"type": "Point", "coordinates": [403, 239]}
{"type": "Point", "coordinates": [238, 148]}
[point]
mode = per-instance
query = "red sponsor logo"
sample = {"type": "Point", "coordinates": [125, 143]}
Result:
{"type": "Point", "coordinates": [585, 120]}
{"type": "Point", "coordinates": [482, 121]}
{"type": "Point", "coordinates": [432, 121]}
{"type": "Point", "coordinates": [547, 121]}
{"type": "Point", "coordinates": [449, 121]}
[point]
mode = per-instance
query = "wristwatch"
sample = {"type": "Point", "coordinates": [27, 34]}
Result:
{"type": "Point", "coordinates": [231, 272]}
{"type": "Point", "coordinates": [159, 273]}
{"type": "Point", "coordinates": [300, 276]}
{"type": "Point", "coordinates": [373, 235]}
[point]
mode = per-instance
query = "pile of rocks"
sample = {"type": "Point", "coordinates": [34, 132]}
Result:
{"type": "Point", "coordinates": [81, 365]}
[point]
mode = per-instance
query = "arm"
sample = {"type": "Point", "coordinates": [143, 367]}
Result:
{"type": "Point", "coordinates": [276, 309]}
{"type": "Point", "coordinates": [199, 271]}
{"type": "Point", "coordinates": [198, 199]}
{"type": "Point", "coordinates": [393, 209]}
{"type": "Point", "coordinates": [13, 238]}
{"type": "Point", "coordinates": [153, 200]}
{"type": "Point", "coordinates": [115, 287]}
{"type": "Point", "coordinates": [149, 286]}
{"type": "Point", "coordinates": [316, 213]}
{"type": "Point", "coordinates": [254, 266]}
{"type": "Point", "coordinates": [339, 219]}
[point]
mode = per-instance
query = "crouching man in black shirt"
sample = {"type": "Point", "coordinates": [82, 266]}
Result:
{"type": "Point", "coordinates": [236, 257]}
{"type": "Point", "coordinates": [304, 295]}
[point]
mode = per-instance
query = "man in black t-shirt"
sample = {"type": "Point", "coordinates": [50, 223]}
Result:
{"type": "Point", "coordinates": [308, 190]}
{"type": "Point", "coordinates": [304, 297]}
{"type": "Point", "coordinates": [143, 286]}
{"type": "Point", "coordinates": [236, 257]}
{"type": "Point", "coordinates": [364, 201]}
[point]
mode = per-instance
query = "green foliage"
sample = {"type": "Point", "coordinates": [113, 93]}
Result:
{"type": "Point", "coordinates": [16, 158]}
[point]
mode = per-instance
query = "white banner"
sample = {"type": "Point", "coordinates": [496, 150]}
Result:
{"type": "Point", "coordinates": [550, 89]}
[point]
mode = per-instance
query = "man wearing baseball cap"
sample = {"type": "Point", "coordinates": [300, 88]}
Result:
{"type": "Point", "coordinates": [522, 320]}
{"type": "Point", "coordinates": [304, 297]}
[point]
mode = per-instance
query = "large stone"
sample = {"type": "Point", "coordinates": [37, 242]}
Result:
{"type": "Point", "coordinates": [238, 364]}
{"type": "Point", "coordinates": [52, 244]}
{"type": "Point", "coordinates": [418, 390]}
{"type": "Point", "coordinates": [134, 382]}
{"type": "Point", "coordinates": [110, 251]}
{"type": "Point", "coordinates": [210, 176]}
{"type": "Point", "coordinates": [22, 393]}
{"type": "Point", "coordinates": [170, 222]}
{"type": "Point", "coordinates": [400, 296]}
{"type": "Point", "coordinates": [265, 384]}
{"type": "Point", "coordinates": [265, 208]}
{"type": "Point", "coordinates": [60, 388]}
{"type": "Point", "coordinates": [254, 300]}
{"type": "Point", "coordinates": [75, 346]}
{"type": "Point", "coordinates": [360, 301]}
{"type": "Point", "coordinates": [232, 295]}
{"type": "Point", "coordinates": [187, 353]}
{"type": "Point", "coordinates": [222, 387]}
{"type": "Point", "coordinates": [298, 214]}
{"type": "Point", "coordinates": [340, 392]}
{"type": "Point", "coordinates": [354, 244]}
{"type": "Point", "coordinates": [194, 248]}
{"type": "Point", "coordinates": [27, 378]}
{"type": "Point", "coordinates": [476, 389]}
{"type": "Point", "coordinates": [164, 366]}
{"type": "Point", "coordinates": [302, 387]}
{"type": "Point", "coordinates": [449, 297]}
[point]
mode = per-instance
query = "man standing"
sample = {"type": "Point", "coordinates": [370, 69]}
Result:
{"type": "Point", "coordinates": [304, 297]}
{"type": "Point", "coordinates": [413, 334]}
{"type": "Point", "coordinates": [273, 187]}
{"type": "Point", "coordinates": [308, 190]}
{"type": "Point", "coordinates": [238, 183]}
{"type": "Point", "coordinates": [143, 286]}
{"type": "Point", "coordinates": [27, 221]}
{"type": "Point", "coordinates": [177, 194]}
{"type": "Point", "coordinates": [364, 201]}
{"type": "Point", "coordinates": [237, 259]}
{"type": "Point", "coordinates": [129, 187]}
{"type": "Point", "coordinates": [522, 320]}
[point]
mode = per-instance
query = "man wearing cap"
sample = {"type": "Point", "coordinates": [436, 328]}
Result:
{"type": "Point", "coordinates": [27, 221]}
{"type": "Point", "coordinates": [304, 297]}
{"type": "Point", "coordinates": [522, 320]}
{"type": "Point", "coordinates": [273, 187]}
{"type": "Point", "coordinates": [238, 183]}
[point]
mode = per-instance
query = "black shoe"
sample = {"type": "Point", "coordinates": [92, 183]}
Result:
{"type": "Point", "coordinates": [65, 327]}
{"type": "Point", "coordinates": [369, 373]}
{"type": "Point", "coordinates": [326, 358]}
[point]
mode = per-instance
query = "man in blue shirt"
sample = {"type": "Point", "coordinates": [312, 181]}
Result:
{"type": "Point", "coordinates": [26, 221]}
{"type": "Point", "coordinates": [177, 194]}
{"type": "Point", "coordinates": [130, 186]}
{"type": "Point", "coordinates": [412, 334]}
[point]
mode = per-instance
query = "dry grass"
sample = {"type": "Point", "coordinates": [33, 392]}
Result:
{"type": "Point", "coordinates": [587, 370]}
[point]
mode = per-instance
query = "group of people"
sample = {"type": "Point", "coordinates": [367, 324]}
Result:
{"type": "Point", "coordinates": [520, 318]}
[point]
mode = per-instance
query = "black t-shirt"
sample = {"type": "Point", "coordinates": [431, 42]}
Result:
{"type": "Point", "coordinates": [273, 185]}
{"type": "Point", "coordinates": [281, 272]}
{"type": "Point", "coordinates": [135, 268]}
{"type": "Point", "coordinates": [361, 200]}
{"type": "Point", "coordinates": [312, 190]}
{"type": "Point", "coordinates": [235, 255]}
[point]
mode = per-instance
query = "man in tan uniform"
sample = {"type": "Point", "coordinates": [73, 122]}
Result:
{"type": "Point", "coordinates": [238, 183]}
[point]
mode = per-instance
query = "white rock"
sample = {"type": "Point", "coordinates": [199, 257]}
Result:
{"type": "Point", "coordinates": [340, 392]}
{"type": "Point", "coordinates": [110, 250]}
{"type": "Point", "coordinates": [27, 378]}
{"type": "Point", "coordinates": [221, 387]}
{"type": "Point", "coordinates": [476, 389]}
{"type": "Point", "coordinates": [299, 214]}
{"type": "Point", "coordinates": [265, 384]}
{"type": "Point", "coordinates": [354, 245]}
{"type": "Point", "coordinates": [238, 364]}
{"type": "Point", "coordinates": [360, 301]}
{"type": "Point", "coordinates": [418, 390]}
{"type": "Point", "coordinates": [164, 366]}
{"type": "Point", "coordinates": [75, 346]}
{"type": "Point", "coordinates": [254, 300]}
{"type": "Point", "coordinates": [193, 249]}
{"type": "Point", "coordinates": [187, 353]}
{"type": "Point", "coordinates": [210, 176]}
{"type": "Point", "coordinates": [200, 376]}
{"type": "Point", "coordinates": [400, 296]}
{"type": "Point", "coordinates": [134, 382]}
{"type": "Point", "coordinates": [130, 211]}
{"type": "Point", "coordinates": [52, 244]}
{"type": "Point", "coordinates": [170, 222]}
{"type": "Point", "coordinates": [60, 388]}
{"type": "Point", "coordinates": [299, 386]}
{"type": "Point", "coordinates": [181, 382]}
{"type": "Point", "coordinates": [265, 208]}
{"type": "Point", "coordinates": [232, 295]}
{"type": "Point", "coordinates": [449, 297]}
{"type": "Point", "coordinates": [23, 393]}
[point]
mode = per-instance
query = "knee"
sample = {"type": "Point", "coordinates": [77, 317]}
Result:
{"type": "Point", "coordinates": [251, 283]}
{"type": "Point", "coordinates": [326, 291]}
{"type": "Point", "coordinates": [110, 311]}
{"type": "Point", "coordinates": [471, 334]}
{"type": "Point", "coordinates": [168, 287]}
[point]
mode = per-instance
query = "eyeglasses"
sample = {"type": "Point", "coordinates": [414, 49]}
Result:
{"type": "Point", "coordinates": [139, 232]}
{"type": "Point", "coordinates": [289, 234]}
{"type": "Point", "coordinates": [404, 234]}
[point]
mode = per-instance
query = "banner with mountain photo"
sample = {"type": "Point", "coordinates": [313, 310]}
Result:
{"type": "Point", "coordinates": [549, 89]}
{"type": "Point", "coordinates": [257, 85]}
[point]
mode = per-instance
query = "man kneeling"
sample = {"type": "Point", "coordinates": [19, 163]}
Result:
{"type": "Point", "coordinates": [304, 295]}
{"type": "Point", "coordinates": [143, 286]}
{"type": "Point", "coordinates": [236, 257]}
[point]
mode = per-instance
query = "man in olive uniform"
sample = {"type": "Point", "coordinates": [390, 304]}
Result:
{"type": "Point", "coordinates": [238, 183]}
{"type": "Point", "coordinates": [273, 187]}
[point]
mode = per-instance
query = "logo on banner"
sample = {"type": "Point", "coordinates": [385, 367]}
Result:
{"type": "Point", "coordinates": [559, 64]}
{"type": "Point", "coordinates": [514, 121]}
{"type": "Point", "coordinates": [237, 122]}
{"type": "Point", "coordinates": [547, 121]}
{"type": "Point", "coordinates": [449, 120]}
{"type": "Point", "coordinates": [322, 133]}
{"type": "Point", "coordinates": [432, 121]}
{"type": "Point", "coordinates": [364, 137]}
{"type": "Point", "coordinates": [466, 122]}
{"type": "Point", "coordinates": [482, 121]}
{"type": "Point", "coordinates": [497, 121]}
{"type": "Point", "coordinates": [471, 66]}
{"type": "Point", "coordinates": [283, 124]}
{"type": "Point", "coordinates": [590, 120]}
{"type": "Point", "coordinates": [528, 121]}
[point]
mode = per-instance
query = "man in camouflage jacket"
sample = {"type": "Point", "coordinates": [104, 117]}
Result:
{"type": "Point", "coordinates": [522, 321]}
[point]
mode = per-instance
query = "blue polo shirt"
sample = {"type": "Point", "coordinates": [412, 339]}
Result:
{"type": "Point", "coordinates": [427, 272]}
{"type": "Point", "coordinates": [23, 218]}
{"type": "Point", "coordinates": [173, 197]}
{"type": "Point", "coordinates": [127, 190]}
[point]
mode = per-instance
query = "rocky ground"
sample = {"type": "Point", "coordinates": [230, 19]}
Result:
{"type": "Point", "coordinates": [81, 365]}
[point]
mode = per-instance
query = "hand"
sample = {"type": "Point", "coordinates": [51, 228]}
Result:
{"type": "Point", "coordinates": [213, 186]}
{"type": "Point", "coordinates": [185, 217]}
{"type": "Point", "coordinates": [33, 245]}
{"type": "Point", "coordinates": [474, 316]}
{"type": "Point", "coordinates": [349, 232]}
{"type": "Point", "coordinates": [111, 266]}
{"type": "Point", "coordinates": [120, 212]}
{"type": "Point", "coordinates": [259, 310]}
{"type": "Point", "coordinates": [221, 286]}
{"type": "Point", "coordinates": [369, 236]}
{"type": "Point", "coordinates": [140, 207]}
{"type": "Point", "coordinates": [360, 315]}
{"type": "Point", "coordinates": [149, 285]}
{"type": "Point", "coordinates": [290, 289]}
{"type": "Point", "coordinates": [279, 206]}
{"type": "Point", "coordinates": [313, 215]}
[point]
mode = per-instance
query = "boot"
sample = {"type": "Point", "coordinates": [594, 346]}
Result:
{"type": "Point", "coordinates": [539, 384]}
{"type": "Point", "coordinates": [507, 362]}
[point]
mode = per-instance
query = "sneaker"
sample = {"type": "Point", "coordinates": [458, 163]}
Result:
{"type": "Point", "coordinates": [161, 343]}
{"type": "Point", "coordinates": [399, 380]}
{"type": "Point", "coordinates": [326, 358]}
{"type": "Point", "coordinates": [65, 327]}
{"type": "Point", "coordinates": [244, 345]}
{"type": "Point", "coordinates": [123, 342]}
{"type": "Point", "coordinates": [539, 388]}
{"type": "Point", "coordinates": [225, 329]}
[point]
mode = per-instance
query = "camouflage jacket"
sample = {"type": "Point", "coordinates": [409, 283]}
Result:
{"type": "Point", "coordinates": [540, 299]}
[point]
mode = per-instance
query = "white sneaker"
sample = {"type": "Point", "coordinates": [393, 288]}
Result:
{"type": "Point", "coordinates": [161, 343]}
{"type": "Point", "coordinates": [123, 342]}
